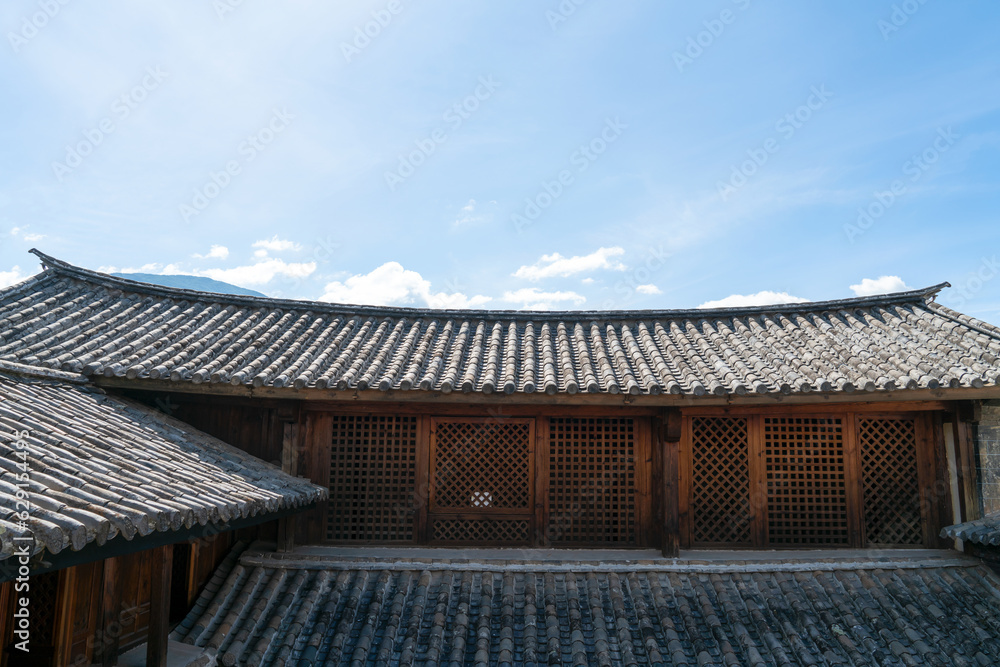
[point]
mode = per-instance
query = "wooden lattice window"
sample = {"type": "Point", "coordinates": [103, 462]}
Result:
{"type": "Point", "coordinates": [720, 481]}
{"type": "Point", "coordinates": [481, 531]}
{"type": "Point", "coordinates": [373, 464]}
{"type": "Point", "coordinates": [482, 464]}
{"type": "Point", "coordinates": [806, 481]}
{"type": "Point", "coordinates": [481, 481]}
{"type": "Point", "coordinates": [890, 477]}
{"type": "Point", "coordinates": [592, 481]}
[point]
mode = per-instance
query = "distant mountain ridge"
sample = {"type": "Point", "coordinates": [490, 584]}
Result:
{"type": "Point", "coordinates": [182, 281]}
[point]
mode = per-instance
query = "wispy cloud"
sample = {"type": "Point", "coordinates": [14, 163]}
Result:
{"type": "Point", "coordinates": [391, 285]}
{"type": "Point", "coordinates": [763, 298]}
{"type": "Point", "coordinates": [215, 252]}
{"type": "Point", "coordinates": [23, 234]}
{"type": "Point", "coordinates": [274, 244]}
{"type": "Point", "coordinates": [557, 266]}
{"type": "Point", "coordinates": [532, 298]}
{"type": "Point", "coordinates": [880, 285]}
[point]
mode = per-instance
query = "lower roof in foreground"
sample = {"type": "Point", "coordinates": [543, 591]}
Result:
{"type": "Point", "coordinates": [90, 468]}
{"type": "Point", "coordinates": [887, 609]}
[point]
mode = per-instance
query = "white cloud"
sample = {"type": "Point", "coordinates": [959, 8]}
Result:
{"type": "Point", "coordinates": [531, 298]}
{"type": "Point", "coordinates": [764, 298]}
{"type": "Point", "coordinates": [260, 273]}
{"type": "Point", "coordinates": [474, 213]}
{"type": "Point", "coordinates": [260, 253]}
{"type": "Point", "coordinates": [275, 244]}
{"type": "Point", "coordinates": [648, 289]}
{"type": "Point", "coordinates": [215, 252]}
{"type": "Point", "coordinates": [391, 284]}
{"type": "Point", "coordinates": [21, 232]}
{"type": "Point", "coordinates": [12, 277]}
{"type": "Point", "coordinates": [587, 281]}
{"type": "Point", "coordinates": [555, 265]}
{"type": "Point", "coordinates": [152, 267]}
{"type": "Point", "coordinates": [881, 285]}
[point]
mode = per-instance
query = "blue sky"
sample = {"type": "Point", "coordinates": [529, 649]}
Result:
{"type": "Point", "coordinates": [575, 154]}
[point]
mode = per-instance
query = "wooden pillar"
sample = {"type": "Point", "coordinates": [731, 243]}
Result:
{"type": "Point", "coordinates": [667, 430]}
{"type": "Point", "coordinates": [289, 464]}
{"type": "Point", "coordinates": [110, 606]}
{"type": "Point", "coordinates": [159, 607]}
{"type": "Point", "coordinates": [965, 460]}
{"type": "Point", "coordinates": [65, 606]}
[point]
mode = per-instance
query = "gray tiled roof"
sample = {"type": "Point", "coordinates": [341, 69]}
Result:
{"type": "Point", "coordinates": [985, 531]}
{"type": "Point", "coordinates": [100, 467]}
{"type": "Point", "coordinates": [72, 319]}
{"type": "Point", "coordinates": [263, 611]}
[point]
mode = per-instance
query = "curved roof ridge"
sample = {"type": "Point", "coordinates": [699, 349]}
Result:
{"type": "Point", "coordinates": [65, 268]}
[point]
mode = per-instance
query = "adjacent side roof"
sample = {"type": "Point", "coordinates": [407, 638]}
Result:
{"type": "Point", "coordinates": [90, 467]}
{"type": "Point", "coordinates": [263, 611]}
{"type": "Point", "coordinates": [985, 531]}
{"type": "Point", "coordinates": [78, 320]}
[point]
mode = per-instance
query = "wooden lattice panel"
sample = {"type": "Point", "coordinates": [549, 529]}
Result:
{"type": "Point", "coordinates": [720, 481]}
{"type": "Point", "coordinates": [373, 465]}
{"type": "Point", "coordinates": [806, 481]}
{"type": "Point", "coordinates": [592, 481]}
{"type": "Point", "coordinates": [482, 465]}
{"type": "Point", "coordinates": [482, 531]}
{"type": "Point", "coordinates": [890, 478]}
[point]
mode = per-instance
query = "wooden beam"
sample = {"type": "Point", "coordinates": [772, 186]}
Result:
{"type": "Point", "coordinates": [352, 396]}
{"type": "Point", "coordinates": [110, 607]}
{"type": "Point", "coordinates": [159, 607]}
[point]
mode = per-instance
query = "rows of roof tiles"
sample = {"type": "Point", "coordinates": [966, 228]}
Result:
{"type": "Point", "coordinates": [88, 468]}
{"type": "Point", "coordinates": [984, 531]}
{"type": "Point", "coordinates": [254, 614]}
{"type": "Point", "coordinates": [80, 321]}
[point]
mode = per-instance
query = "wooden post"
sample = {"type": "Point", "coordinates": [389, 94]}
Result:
{"type": "Point", "coordinates": [65, 606]}
{"type": "Point", "coordinates": [965, 460]}
{"type": "Point", "coordinates": [159, 607]}
{"type": "Point", "coordinates": [110, 603]}
{"type": "Point", "coordinates": [668, 432]}
{"type": "Point", "coordinates": [289, 464]}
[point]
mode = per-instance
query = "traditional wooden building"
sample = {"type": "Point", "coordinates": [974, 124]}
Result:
{"type": "Point", "coordinates": [859, 425]}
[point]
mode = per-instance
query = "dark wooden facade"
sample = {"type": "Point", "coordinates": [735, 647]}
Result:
{"type": "Point", "coordinates": [782, 476]}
